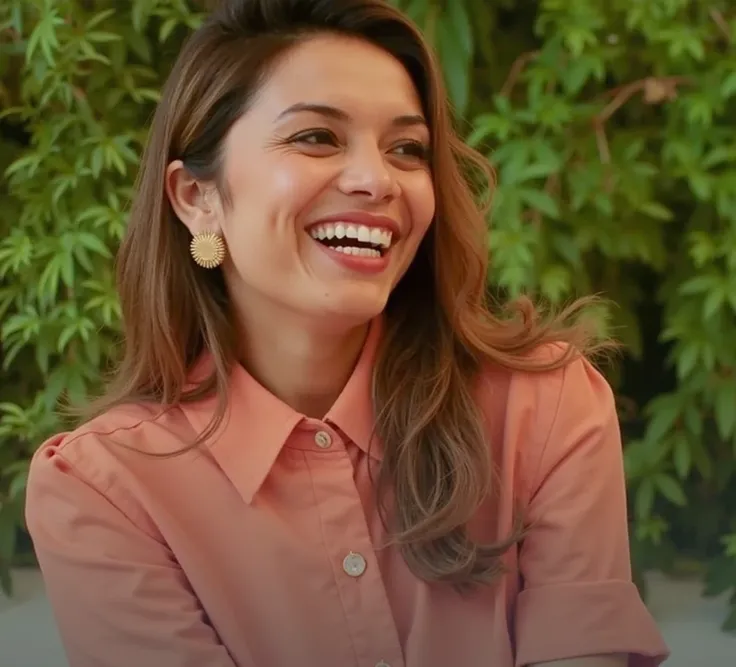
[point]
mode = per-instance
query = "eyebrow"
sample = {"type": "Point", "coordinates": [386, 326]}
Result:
{"type": "Point", "coordinates": [407, 120]}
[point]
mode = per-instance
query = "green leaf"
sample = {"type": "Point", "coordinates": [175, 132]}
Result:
{"type": "Point", "coordinates": [89, 53]}
{"type": "Point", "coordinates": [671, 489]}
{"type": "Point", "coordinates": [27, 322]}
{"type": "Point", "coordinates": [167, 28]}
{"type": "Point", "coordinates": [702, 248]}
{"type": "Point", "coordinates": [720, 576]}
{"type": "Point", "coordinates": [93, 243]}
{"type": "Point", "coordinates": [728, 87]}
{"type": "Point", "coordinates": [455, 64]}
{"type": "Point", "coordinates": [665, 413]}
{"type": "Point", "coordinates": [102, 37]}
{"type": "Point", "coordinates": [459, 22]}
{"type": "Point", "coordinates": [576, 75]}
{"type": "Point", "coordinates": [687, 359]}
{"type": "Point", "coordinates": [656, 210]}
{"type": "Point", "coordinates": [66, 335]}
{"type": "Point", "coordinates": [729, 544]}
{"type": "Point", "coordinates": [715, 300]}
{"type": "Point", "coordinates": [538, 170]}
{"type": "Point", "coordinates": [725, 410]}
{"type": "Point", "coordinates": [28, 163]}
{"type": "Point", "coordinates": [700, 284]}
{"type": "Point", "coordinates": [701, 185]}
{"type": "Point", "coordinates": [101, 17]}
{"type": "Point", "coordinates": [720, 155]}
{"type": "Point", "coordinates": [44, 36]}
{"type": "Point", "coordinates": [702, 459]}
{"type": "Point", "coordinates": [8, 533]}
{"type": "Point", "coordinates": [694, 420]}
{"type": "Point", "coordinates": [682, 457]}
{"type": "Point", "coordinates": [540, 201]}
{"type": "Point", "coordinates": [578, 38]}
{"type": "Point", "coordinates": [644, 499]}
{"type": "Point", "coordinates": [555, 283]}
{"type": "Point", "coordinates": [140, 14]}
{"type": "Point", "coordinates": [17, 485]}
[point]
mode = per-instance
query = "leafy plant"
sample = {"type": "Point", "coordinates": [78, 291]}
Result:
{"type": "Point", "coordinates": [611, 128]}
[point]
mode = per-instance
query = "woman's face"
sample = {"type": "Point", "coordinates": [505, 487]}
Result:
{"type": "Point", "coordinates": [330, 186]}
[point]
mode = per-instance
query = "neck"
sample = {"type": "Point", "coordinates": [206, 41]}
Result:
{"type": "Point", "coordinates": [306, 368]}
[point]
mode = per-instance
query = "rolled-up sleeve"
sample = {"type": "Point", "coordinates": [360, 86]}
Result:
{"type": "Point", "coordinates": [577, 595]}
{"type": "Point", "coordinates": [118, 596]}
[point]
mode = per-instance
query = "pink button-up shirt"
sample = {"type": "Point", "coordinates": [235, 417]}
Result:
{"type": "Point", "coordinates": [264, 548]}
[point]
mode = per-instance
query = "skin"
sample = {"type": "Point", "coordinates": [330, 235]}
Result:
{"type": "Point", "coordinates": [303, 316]}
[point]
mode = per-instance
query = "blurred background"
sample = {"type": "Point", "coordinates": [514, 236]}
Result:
{"type": "Point", "coordinates": [611, 125]}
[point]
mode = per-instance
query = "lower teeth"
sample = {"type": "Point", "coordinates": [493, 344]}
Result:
{"type": "Point", "coordinates": [360, 252]}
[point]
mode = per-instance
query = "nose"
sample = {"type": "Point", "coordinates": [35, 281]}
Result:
{"type": "Point", "coordinates": [366, 174]}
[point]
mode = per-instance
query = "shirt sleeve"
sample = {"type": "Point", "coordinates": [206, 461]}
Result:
{"type": "Point", "coordinates": [577, 595]}
{"type": "Point", "coordinates": [118, 596]}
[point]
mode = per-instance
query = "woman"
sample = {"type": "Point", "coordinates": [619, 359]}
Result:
{"type": "Point", "coordinates": [321, 448]}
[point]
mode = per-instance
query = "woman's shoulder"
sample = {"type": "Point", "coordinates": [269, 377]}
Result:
{"type": "Point", "coordinates": [541, 409]}
{"type": "Point", "coordinates": [542, 375]}
{"type": "Point", "coordinates": [115, 439]}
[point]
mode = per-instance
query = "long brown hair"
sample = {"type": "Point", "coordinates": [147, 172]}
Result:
{"type": "Point", "coordinates": [440, 328]}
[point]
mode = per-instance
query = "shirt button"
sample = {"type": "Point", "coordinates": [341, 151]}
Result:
{"type": "Point", "coordinates": [322, 439]}
{"type": "Point", "coordinates": [353, 564]}
{"type": "Point", "coordinates": [382, 663]}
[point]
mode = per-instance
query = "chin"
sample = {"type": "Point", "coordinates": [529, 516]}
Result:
{"type": "Point", "coordinates": [352, 310]}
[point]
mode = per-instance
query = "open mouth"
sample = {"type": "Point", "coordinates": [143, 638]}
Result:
{"type": "Point", "coordinates": [351, 239]}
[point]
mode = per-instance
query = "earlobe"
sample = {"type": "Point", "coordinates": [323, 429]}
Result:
{"type": "Point", "coordinates": [188, 197]}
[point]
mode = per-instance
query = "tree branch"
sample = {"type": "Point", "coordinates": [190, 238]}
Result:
{"type": "Point", "coordinates": [720, 21]}
{"type": "Point", "coordinates": [517, 68]}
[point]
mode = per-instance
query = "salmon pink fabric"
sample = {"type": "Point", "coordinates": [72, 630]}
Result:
{"type": "Point", "coordinates": [263, 548]}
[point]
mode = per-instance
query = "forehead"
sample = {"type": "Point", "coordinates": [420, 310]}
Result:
{"type": "Point", "coordinates": [349, 73]}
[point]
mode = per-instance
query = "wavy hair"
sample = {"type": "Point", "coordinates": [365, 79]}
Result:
{"type": "Point", "coordinates": [440, 326]}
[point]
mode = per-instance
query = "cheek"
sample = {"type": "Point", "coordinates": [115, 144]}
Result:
{"type": "Point", "coordinates": [278, 185]}
{"type": "Point", "coordinates": [268, 199]}
{"type": "Point", "coordinates": [284, 182]}
{"type": "Point", "coordinates": [422, 204]}
{"type": "Point", "coordinates": [294, 181]}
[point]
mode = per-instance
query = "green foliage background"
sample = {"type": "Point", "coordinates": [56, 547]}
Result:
{"type": "Point", "coordinates": [612, 126]}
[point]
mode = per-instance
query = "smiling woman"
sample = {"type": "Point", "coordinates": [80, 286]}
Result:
{"type": "Point", "coordinates": [322, 447]}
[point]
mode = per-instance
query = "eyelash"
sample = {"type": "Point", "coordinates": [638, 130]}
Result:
{"type": "Point", "coordinates": [421, 152]}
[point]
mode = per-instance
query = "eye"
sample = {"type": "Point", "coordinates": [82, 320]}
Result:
{"type": "Point", "coordinates": [318, 137]}
{"type": "Point", "coordinates": [413, 149]}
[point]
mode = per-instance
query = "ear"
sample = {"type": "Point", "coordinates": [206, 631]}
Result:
{"type": "Point", "coordinates": [193, 202]}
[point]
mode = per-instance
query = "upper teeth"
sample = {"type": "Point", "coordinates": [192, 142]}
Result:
{"type": "Point", "coordinates": [343, 230]}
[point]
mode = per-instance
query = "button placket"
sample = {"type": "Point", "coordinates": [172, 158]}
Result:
{"type": "Point", "coordinates": [347, 537]}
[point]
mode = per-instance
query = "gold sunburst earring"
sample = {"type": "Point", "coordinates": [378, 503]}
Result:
{"type": "Point", "coordinates": [208, 249]}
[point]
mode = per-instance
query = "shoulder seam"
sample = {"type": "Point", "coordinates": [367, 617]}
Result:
{"type": "Point", "coordinates": [83, 431]}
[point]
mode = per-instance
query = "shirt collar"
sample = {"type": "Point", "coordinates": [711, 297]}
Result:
{"type": "Point", "coordinates": [257, 424]}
